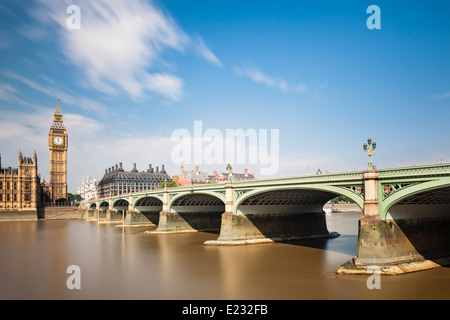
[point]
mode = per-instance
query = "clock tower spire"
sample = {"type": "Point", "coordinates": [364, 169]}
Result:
{"type": "Point", "coordinates": [57, 144]}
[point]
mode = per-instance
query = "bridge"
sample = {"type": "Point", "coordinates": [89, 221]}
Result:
{"type": "Point", "coordinates": [404, 227]}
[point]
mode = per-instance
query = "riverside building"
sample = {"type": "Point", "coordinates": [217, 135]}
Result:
{"type": "Point", "coordinates": [20, 188]}
{"type": "Point", "coordinates": [191, 177]}
{"type": "Point", "coordinates": [117, 181]}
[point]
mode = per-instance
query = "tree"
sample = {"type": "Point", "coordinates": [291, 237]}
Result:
{"type": "Point", "coordinates": [71, 197]}
{"type": "Point", "coordinates": [170, 184]}
{"type": "Point", "coordinates": [341, 198]}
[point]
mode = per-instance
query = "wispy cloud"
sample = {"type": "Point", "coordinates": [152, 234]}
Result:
{"type": "Point", "coordinates": [205, 52]}
{"type": "Point", "coordinates": [256, 75]}
{"type": "Point", "coordinates": [121, 45]}
{"type": "Point", "coordinates": [9, 93]}
{"type": "Point", "coordinates": [29, 83]}
{"type": "Point", "coordinates": [442, 96]}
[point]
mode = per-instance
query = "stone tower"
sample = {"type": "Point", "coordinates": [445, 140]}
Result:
{"type": "Point", "coordinates": [57, 144]}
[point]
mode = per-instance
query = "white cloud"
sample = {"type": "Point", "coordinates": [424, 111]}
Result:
{"type": "Point", "coordinates": [205, 52]}
{"type": "Point", "coordinates": [166, 84]}
{"type": "Point", "coordinates": [121, 45]}
{"type": "Point", "coordinates": [256, 75]}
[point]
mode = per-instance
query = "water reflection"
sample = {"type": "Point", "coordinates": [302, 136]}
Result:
{"type": "Point", "coordinates": [137, 265]}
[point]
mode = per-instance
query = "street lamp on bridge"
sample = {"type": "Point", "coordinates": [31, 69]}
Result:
{"type": "Point", "coordinates": [228, 168]}
{"type": "Point", "coordinates": [369, 147]}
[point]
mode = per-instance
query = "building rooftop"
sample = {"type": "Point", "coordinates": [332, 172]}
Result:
{"type": "Point", "coordinates": [118, 173]}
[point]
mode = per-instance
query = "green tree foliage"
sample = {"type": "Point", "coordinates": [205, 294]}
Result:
{"type": "Point", "coordinates": [341, 198]}
{"type": "Point", "coordinates": [170, 184]}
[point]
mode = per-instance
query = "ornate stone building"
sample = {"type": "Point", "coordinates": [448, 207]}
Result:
{"type": "Point", "coordinates": [117, 181]}
{"type": "Point", "coordinates": [20, 188]}
{"type": "Point", "coordinates": [88, 188]}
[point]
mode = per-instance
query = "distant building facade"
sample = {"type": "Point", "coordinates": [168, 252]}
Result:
{"type": "Point", "coordinates": [20, 188]}
{"type": "Point", "coordinates": [88, 188]}
{"type": "Point", "coordinates": [196, 177]}
{"type": "Point", "coordinates": [117, 181]}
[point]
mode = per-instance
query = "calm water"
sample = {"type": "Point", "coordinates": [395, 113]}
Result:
{"type": "Point", "coordinates": [136, 265]}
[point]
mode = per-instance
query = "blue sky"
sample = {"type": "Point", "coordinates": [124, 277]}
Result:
{"type": "Point", "coordinates": [138, 70]}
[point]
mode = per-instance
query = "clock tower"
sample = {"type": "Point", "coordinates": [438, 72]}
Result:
{"type": "Point", "coordinates": [57, 144]}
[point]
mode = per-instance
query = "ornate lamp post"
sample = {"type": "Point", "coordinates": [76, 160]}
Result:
{"type": "Point", "coordinates": [369, 147]}
{"type": "Point", "coordinates": [228, 168]}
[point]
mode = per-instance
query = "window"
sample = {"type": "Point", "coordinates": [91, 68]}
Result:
{"type": "Point", "coordinates": [15, 185]}
{"type": "Point", "coordinates": [1, 185]}
{"type": "Point", "coordinates": [26, 197]}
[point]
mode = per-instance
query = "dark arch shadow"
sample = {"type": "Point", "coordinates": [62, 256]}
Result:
{"type": "Point", "coordinates": [424, 219]}
{"type": "Point", "coordinates": [150, 207]}
{"type": "Point", "coordinates": [285, 215]}
{"type": "Point", "coordinates": [202, 212]}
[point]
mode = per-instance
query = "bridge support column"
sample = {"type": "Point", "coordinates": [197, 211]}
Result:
{"type": "Point", "coordinates": [251, 224]}
{"type": "Point", "coordinates": [86, 213]}
{"type": "Point", "coordinates": [382, 243]}
{"type": "Point", "coordinates": [137, 218]}
{"type": "Point", "coordinates": [235, 229]}
{"type": "Point", "coordinates": [171, 222]}
{"type": "Point", "coordinates": [113, 215]}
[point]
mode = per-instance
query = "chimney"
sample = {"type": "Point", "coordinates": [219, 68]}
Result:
{"type": "Point", "coordinates": [196, 170]}
{"type": "Point", "coordinates": [134, 168]}
{"type": "Point", "coordinates": [162, 169]}
{"type": "Point", "coordinates": [106, 171]}
{"type": "Point", "coordinates": [120, 166]}
{"type": "Point", "coordinates": [150, 169]}
{"type": "Point", "coordinates": [157, 169]}
{"type": "Point", "coordinates": [117, 167]}
{"type": "Point", "coordinates": [246, 172]}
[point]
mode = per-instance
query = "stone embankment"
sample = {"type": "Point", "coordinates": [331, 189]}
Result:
{"type": "Point", "coordinates": [47, 213]}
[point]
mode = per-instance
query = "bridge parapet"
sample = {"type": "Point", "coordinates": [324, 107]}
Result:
{"type": "Point", "coordinates": [416, 171]}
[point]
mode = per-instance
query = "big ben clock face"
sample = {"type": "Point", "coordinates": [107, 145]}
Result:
{"type": "Point", "coordinates": [58, 140]}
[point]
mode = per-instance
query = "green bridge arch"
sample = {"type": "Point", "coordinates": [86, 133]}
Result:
{"type": "Point", "coordinates": [154, 196]}
{"type": "Point", "coordinates": [190, 193]}
{"type": "Point", "coordinates": [315, 187]}
{"type": "Point", "coordinates": [421, 187]}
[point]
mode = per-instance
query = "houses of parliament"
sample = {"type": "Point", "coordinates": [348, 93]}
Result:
{"type": "Point", "coordinates": [21, 188]}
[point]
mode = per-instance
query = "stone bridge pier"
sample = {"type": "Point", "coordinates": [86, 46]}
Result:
{"type": "Point", "coordinates": [405, 225]}
{"type": "Point", "coordinates": [276, 215]}
{"type": "Point", "coordinates": [403, 233]}
{"type": "Point", "coordinates": [190, 212]}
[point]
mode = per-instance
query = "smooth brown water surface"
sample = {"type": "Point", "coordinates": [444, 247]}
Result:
{"type": "Point", "coordinates": [136, 265]}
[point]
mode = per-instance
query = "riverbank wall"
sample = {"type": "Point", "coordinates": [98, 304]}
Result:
{"type": "Point", "coordinates": [64, 213]}
{"type": "Point", "coordinates": [47, 213]}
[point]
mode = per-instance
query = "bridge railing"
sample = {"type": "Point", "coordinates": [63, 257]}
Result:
{"type": "Point", "coordinates": [317, 178]}
{"type": "Point", "coordinates": [425, 170]}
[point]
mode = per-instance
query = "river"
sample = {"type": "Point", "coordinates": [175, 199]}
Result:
{"type": "Point", "coordinates": [117, 263]}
